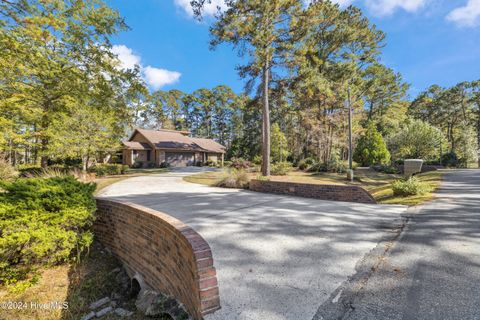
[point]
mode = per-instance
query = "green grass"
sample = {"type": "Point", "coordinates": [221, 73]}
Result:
{"type": "Point", "coordinates": [377, 183]}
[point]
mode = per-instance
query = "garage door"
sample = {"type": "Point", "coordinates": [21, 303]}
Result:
{"type": "Point", "coordinates": [180, 159]}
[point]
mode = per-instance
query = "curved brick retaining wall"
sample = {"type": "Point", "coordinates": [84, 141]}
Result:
{"type": "Point", "coordinates": [170, 256]}
{"type": "Point", "coordinates": [317, 191]}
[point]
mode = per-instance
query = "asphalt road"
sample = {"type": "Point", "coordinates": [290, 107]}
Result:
{"type": "Point", "coordinates": [277, 257]}
{"type": "Point", "coordinates": [432, 271]}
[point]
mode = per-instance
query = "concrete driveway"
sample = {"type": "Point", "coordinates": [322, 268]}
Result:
{"type": "Point", "coordinates": [277, 257]}
{"type": "Point", "coordinates": [433, 271]}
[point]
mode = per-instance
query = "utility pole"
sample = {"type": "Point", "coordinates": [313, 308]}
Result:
{"type": "Point", "coordinates": [350, 133]}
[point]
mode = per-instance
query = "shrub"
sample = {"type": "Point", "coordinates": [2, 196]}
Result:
{"type": "Point", "coordinates": [211, 163]}
{"type": "Point", "coordinates": [257, 159]}
{"type": "Point", "coordinates": [281, 168]}
{"type": "Point", "coordinates": [371, 148]}
{"type": "Point", "coordinates": [240, 163]}
{"type": "Point", "coordinates": [450, 160]}
{"type": "Point", "coordinates": [336, 164]}
{"type": "Point", "coordinates": [234, 179]}
{"type": "Point", "coordinates": [318, 167]}
{"type": "Point", "coordinates": [151, 165]}
{"type": "Point", "coordinates": [43, 222]}
{"type": "Point", "coordinates": [409, 187]}
{"type": "Point", "coordinates": [137, 164]}
{"type": "Point", "coordinates": [109, 169]}
{"type": "Point", "coordinates": [7, 172]}
{"type": "Point", "coordinates": [164, 165]}
{"type": "Point", "coordinates": [387, 169]}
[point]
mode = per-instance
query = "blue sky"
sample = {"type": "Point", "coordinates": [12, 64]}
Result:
{"type": "Point", "coordinates": [428, 42]}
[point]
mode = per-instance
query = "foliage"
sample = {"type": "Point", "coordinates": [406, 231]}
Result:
{"type": "Point", "coordinates": [410, 187]}
{"type": "Point", "coordinates": [109, 169]}
{"type": "Point", "coordinates": [371, 148]}
{"type": "Point", "coordinates": [7, 171]}
{"type": "Point", "coordinates": [234, 178]}
{"type": "Point", "coordinates": [279, 145]}
{"type": "Point", "coordinates": [417, 140]}
{"type": "Point", "coordinates": [56, 63]}
{"type": "Point", "coordinates": [139, 164]}
{"type": "Point", "coordinates": [43, 222]}
{"type": "Point", "coordinates": [211, 163]}
{"type": "Point", "coordinates": [281, 168]}
{"type": "Point", "coordinates": [164, 165]}
{"type": "Point", "coordinates": [387, 169]}
{"type": "Point", "coordinates": [240, 163]}
{"type": "Point", "coordinates": [450, 160]}
{"type": "Point", "coordinates": [455, 111]}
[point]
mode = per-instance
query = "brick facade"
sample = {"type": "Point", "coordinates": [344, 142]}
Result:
{"type": "Point", "coordinates": [317, 191]}
{"type": "Point", "coordinates": [171, 257]}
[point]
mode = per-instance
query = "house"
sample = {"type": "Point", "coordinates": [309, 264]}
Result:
{"type": "Point", "coordinates": [175, 148]}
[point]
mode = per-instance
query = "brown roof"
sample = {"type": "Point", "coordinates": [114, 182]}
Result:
{"type": "Point", "coordinates": [134, 145]}
{"type": "Point", "coordinates": [169, 139]}
{"type": "Point", "coordinates": [209, 144]}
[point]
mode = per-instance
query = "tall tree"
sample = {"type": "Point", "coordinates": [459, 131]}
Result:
{"type": "Point", "coordinates": [260, 30]}
{"type": "Point", "coordinates": [61, 54]}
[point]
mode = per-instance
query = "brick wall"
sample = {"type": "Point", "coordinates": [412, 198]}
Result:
{"type": "Point", "coordinates": [323, 192]}
{"type": "Point", "coordinates": [170, 256]}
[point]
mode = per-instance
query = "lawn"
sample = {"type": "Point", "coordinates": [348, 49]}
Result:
{"type": "Point", "coordinates": [378, 184]}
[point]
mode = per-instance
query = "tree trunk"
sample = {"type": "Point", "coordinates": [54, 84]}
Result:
{"type": "Point", "coordinates": [266, 122]}
{"type": "Point", "coordinates": [43, 149]}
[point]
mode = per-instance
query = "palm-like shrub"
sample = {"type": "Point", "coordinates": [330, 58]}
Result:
{"type": "Point", "coordinates": [234, 179]}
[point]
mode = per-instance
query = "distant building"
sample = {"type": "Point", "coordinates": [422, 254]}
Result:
{"type": "Point", "coordinates": [176, 148]}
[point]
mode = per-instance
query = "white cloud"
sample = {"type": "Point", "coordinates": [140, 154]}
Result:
{"type": "Point", "coordinates": [154, 77]}
{"type": "Point", "coordinates": [388, 7]}
{"type": "Point", "coordinates": [128, 60]}
{"type": "Point", "coordinates": [157, 78]}
{"type": "Point", "coordinates": [209, 10]}
{"type": "Point", "coordinates": [466, 16]}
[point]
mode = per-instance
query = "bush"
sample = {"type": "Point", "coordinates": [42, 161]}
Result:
{"type": "Point", "coordinates": [304, 164]}
{"type": "Point", "coordinates": [336, 164]}
{"type": "Point", "coordinates": [109, 169]}
{"type": "Point", "coordinates": [234, 179]}
{"type": "Point", "coordinates": [409, 187]}
{"type": "Point", "coordinates": [151, 165]}
{"type": "Point", "coordinates": [257, 159]}
{"type": "Point", "coordinates": [43, 222]}
{"type": "Point", "coordinates": [239, 163]}
{"type": "Point", "coordinates": [165, 165]}
{"type": "Point", "coordinates": [211, 163]}
{"type": "Point", "coordinates": [371, 148]}
{"type": "Point", "coordinates": [281, 168]}
{"type": "Point", "coordinates": [318, 167]}
{"type": "Point", "coordinates": [450, 160]}
{"type": "Point", "coordinates": [387, 169]}
{"type": "Point", "coordinates": [137, 164]}
{"type": "Point", "coordinates": [7, 172]}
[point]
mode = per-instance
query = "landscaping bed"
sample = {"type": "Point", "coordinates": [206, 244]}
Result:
{"type": "Point", "coordinates": [377, 183]}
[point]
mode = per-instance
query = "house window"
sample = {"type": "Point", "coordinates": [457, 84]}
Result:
{"type": "Point", "coordinates": [148, 155]}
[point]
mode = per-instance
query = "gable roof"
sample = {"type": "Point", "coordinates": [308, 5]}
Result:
{"type": "Point", "coordinates": [209, 144]}
{"type": "Point", "coordinates": [134, 145]}
{"type": "Point", "coordinates": [179, 140]}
